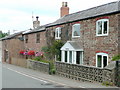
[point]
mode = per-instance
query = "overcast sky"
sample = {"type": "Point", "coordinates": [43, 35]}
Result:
{"type": "Point", "coordinates": [17, 14]}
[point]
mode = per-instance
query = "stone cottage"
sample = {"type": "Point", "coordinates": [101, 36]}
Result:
{"type": "Point", "coordinates": [36, 38]}
{"type": "Point", "coordinates": [11, 46]}
{"type": "Point", "coordinates": [91, 37]}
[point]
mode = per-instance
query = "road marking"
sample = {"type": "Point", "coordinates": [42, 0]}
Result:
{"type": "Point", "coordinates": [39, 78]}
{"type": "Point", "coordinates": [28, 75]}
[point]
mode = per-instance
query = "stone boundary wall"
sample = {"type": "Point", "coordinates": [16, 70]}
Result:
{"type": "Point", "coordinates": [84, 73]}
{"type": "Point", "coordinates": [36, 65]}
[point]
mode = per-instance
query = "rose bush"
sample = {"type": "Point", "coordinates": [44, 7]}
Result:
{"type": "Point", "coordinates": [31, 52]}
{"type": "Point", "coordinates": [22, 52]}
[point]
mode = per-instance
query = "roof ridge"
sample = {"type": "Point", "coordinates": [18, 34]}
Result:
{"type": "Point", "coordinates": [92, 8]}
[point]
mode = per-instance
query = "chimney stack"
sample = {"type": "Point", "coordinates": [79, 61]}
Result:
{"type": "Point", "coordinates": [36, 23]}
{"type": "Point", "coordinates": [64, 9]}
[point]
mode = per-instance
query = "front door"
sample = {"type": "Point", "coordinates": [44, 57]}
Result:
{"type": "Point", "coordinates": [6, 55]}
{"type": "Point", "coordinates": [78, 57]}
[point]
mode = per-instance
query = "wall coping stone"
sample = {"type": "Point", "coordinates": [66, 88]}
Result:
{"type": "Point", "coordinates": [37, 61]}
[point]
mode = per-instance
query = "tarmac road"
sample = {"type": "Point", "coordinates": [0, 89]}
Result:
{"type": "Point", "coordinates": [0, 75]}
{"type": "Point", "coordinates": [12, 79]}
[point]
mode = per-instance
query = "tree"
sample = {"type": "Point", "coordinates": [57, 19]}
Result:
{"type": "Point", "coordinates": [3, 34]}
{"type": "Point", "coordinates": [54, 49]}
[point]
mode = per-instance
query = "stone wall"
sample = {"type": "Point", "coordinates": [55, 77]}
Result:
{"type": "Point", "coordinates": [118, 75]}
{"type": "Point", "coordinates": [90, 42]}
{"type": "Point", "coordinates": [84, 73]}
{"type": "Point", "coordinates": [66, 33]}
{"type": "Point", "coordinates": [119, 34]}
{"type": "Point", "coordinates": [36, 65]}
{"type": "Point", "coordinates": [32, 45]}
{"type": "Point", "coordinates": [12, 47]}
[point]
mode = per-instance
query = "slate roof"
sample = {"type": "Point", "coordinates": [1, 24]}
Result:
{"type": "Point", "coordinates": [89, 13]}
{"type": "Point", "coordinates": [75, 45]}
{"type": "Point", "coordinates": [72, 45]}
{"type": "Point", "coordinates": [12, 35]}
{"type": "Point", "coordinates": [38, 29]}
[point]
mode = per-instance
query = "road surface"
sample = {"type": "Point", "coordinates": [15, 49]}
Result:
{"type": "Point", "coordinates": [0, 76]}
{"type": "Point", "coordinates": [14, 79]}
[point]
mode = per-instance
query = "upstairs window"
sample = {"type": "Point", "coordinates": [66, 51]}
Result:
{"type": "Point", "coordinates": [38, 38]}
{"type": "Point", "coordinates": [58, 33]}
{"type": "Point", "coordinates": [26, 38]}
{"type": "Point", "coordinates": [101, 60]}
{"type": "Point", "coordinates": [102, 27]}
{"type": "Point", "coordinates": [76, 30]}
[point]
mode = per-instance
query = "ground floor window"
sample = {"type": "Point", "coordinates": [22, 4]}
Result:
{"type": "Point", "coordinates": [75, 57]}
{"type": "Point", "coordinates": [101, 60]}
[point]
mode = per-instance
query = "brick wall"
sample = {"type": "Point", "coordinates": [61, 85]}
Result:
{"type": "Point", "coordinates": [91, 43]}
{"type": "Point", "coordinates": [32, 45]}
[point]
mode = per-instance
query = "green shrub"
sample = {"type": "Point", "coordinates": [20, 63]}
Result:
{"type": "Point", "coordinates": [37, 58]}
{"type": "Point", "coordinates": [115, 58]}
{"type": "Point", "coordinates": [106, 83]}
{"type": "Point", "coordinates": [52, 67]}
{"type": "Point", "coordinates": [51, 51]}
{"type": "Point", "coordinates": [44, 61]}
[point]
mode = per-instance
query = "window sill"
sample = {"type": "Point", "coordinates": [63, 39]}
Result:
{"type": "Point", "coordinates": [75, 36]}
{"type": "Point", "coordinates": [102, 35]}
{"type": "Point", "coordinates": [57, 38]}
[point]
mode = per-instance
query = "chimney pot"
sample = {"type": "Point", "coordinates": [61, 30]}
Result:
{"type": "Point", "coordinates": [36, 23]}
{"type": "Point", "coordinates": [37, 18]}
{"type": "Point", "coordinates": [64, 9]}
{"type": "Point", "coordinates": [62, 4]}
{"type": "Point", "coordinates": [65, 4]}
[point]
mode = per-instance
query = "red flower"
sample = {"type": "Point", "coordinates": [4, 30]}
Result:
{"type": "Point", "coordinates": [22, 52]}
{"type": "Point", "coordinates": [31, 52]}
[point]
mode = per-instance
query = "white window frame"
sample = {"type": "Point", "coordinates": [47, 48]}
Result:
{"type": "Point", "coordinates": [102, 54]}
{"type": "Point", "coordinates": [58, 33]}
{"type": "Point", "coordinates": [74, 30]}
{"type": "Point", "coordinates": [102, 20]}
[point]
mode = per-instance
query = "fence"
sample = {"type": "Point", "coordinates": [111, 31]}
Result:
{"type": "Point", "coordinates": [36, 65]}
{"type": "Point", "coordinates": [85, 73]}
